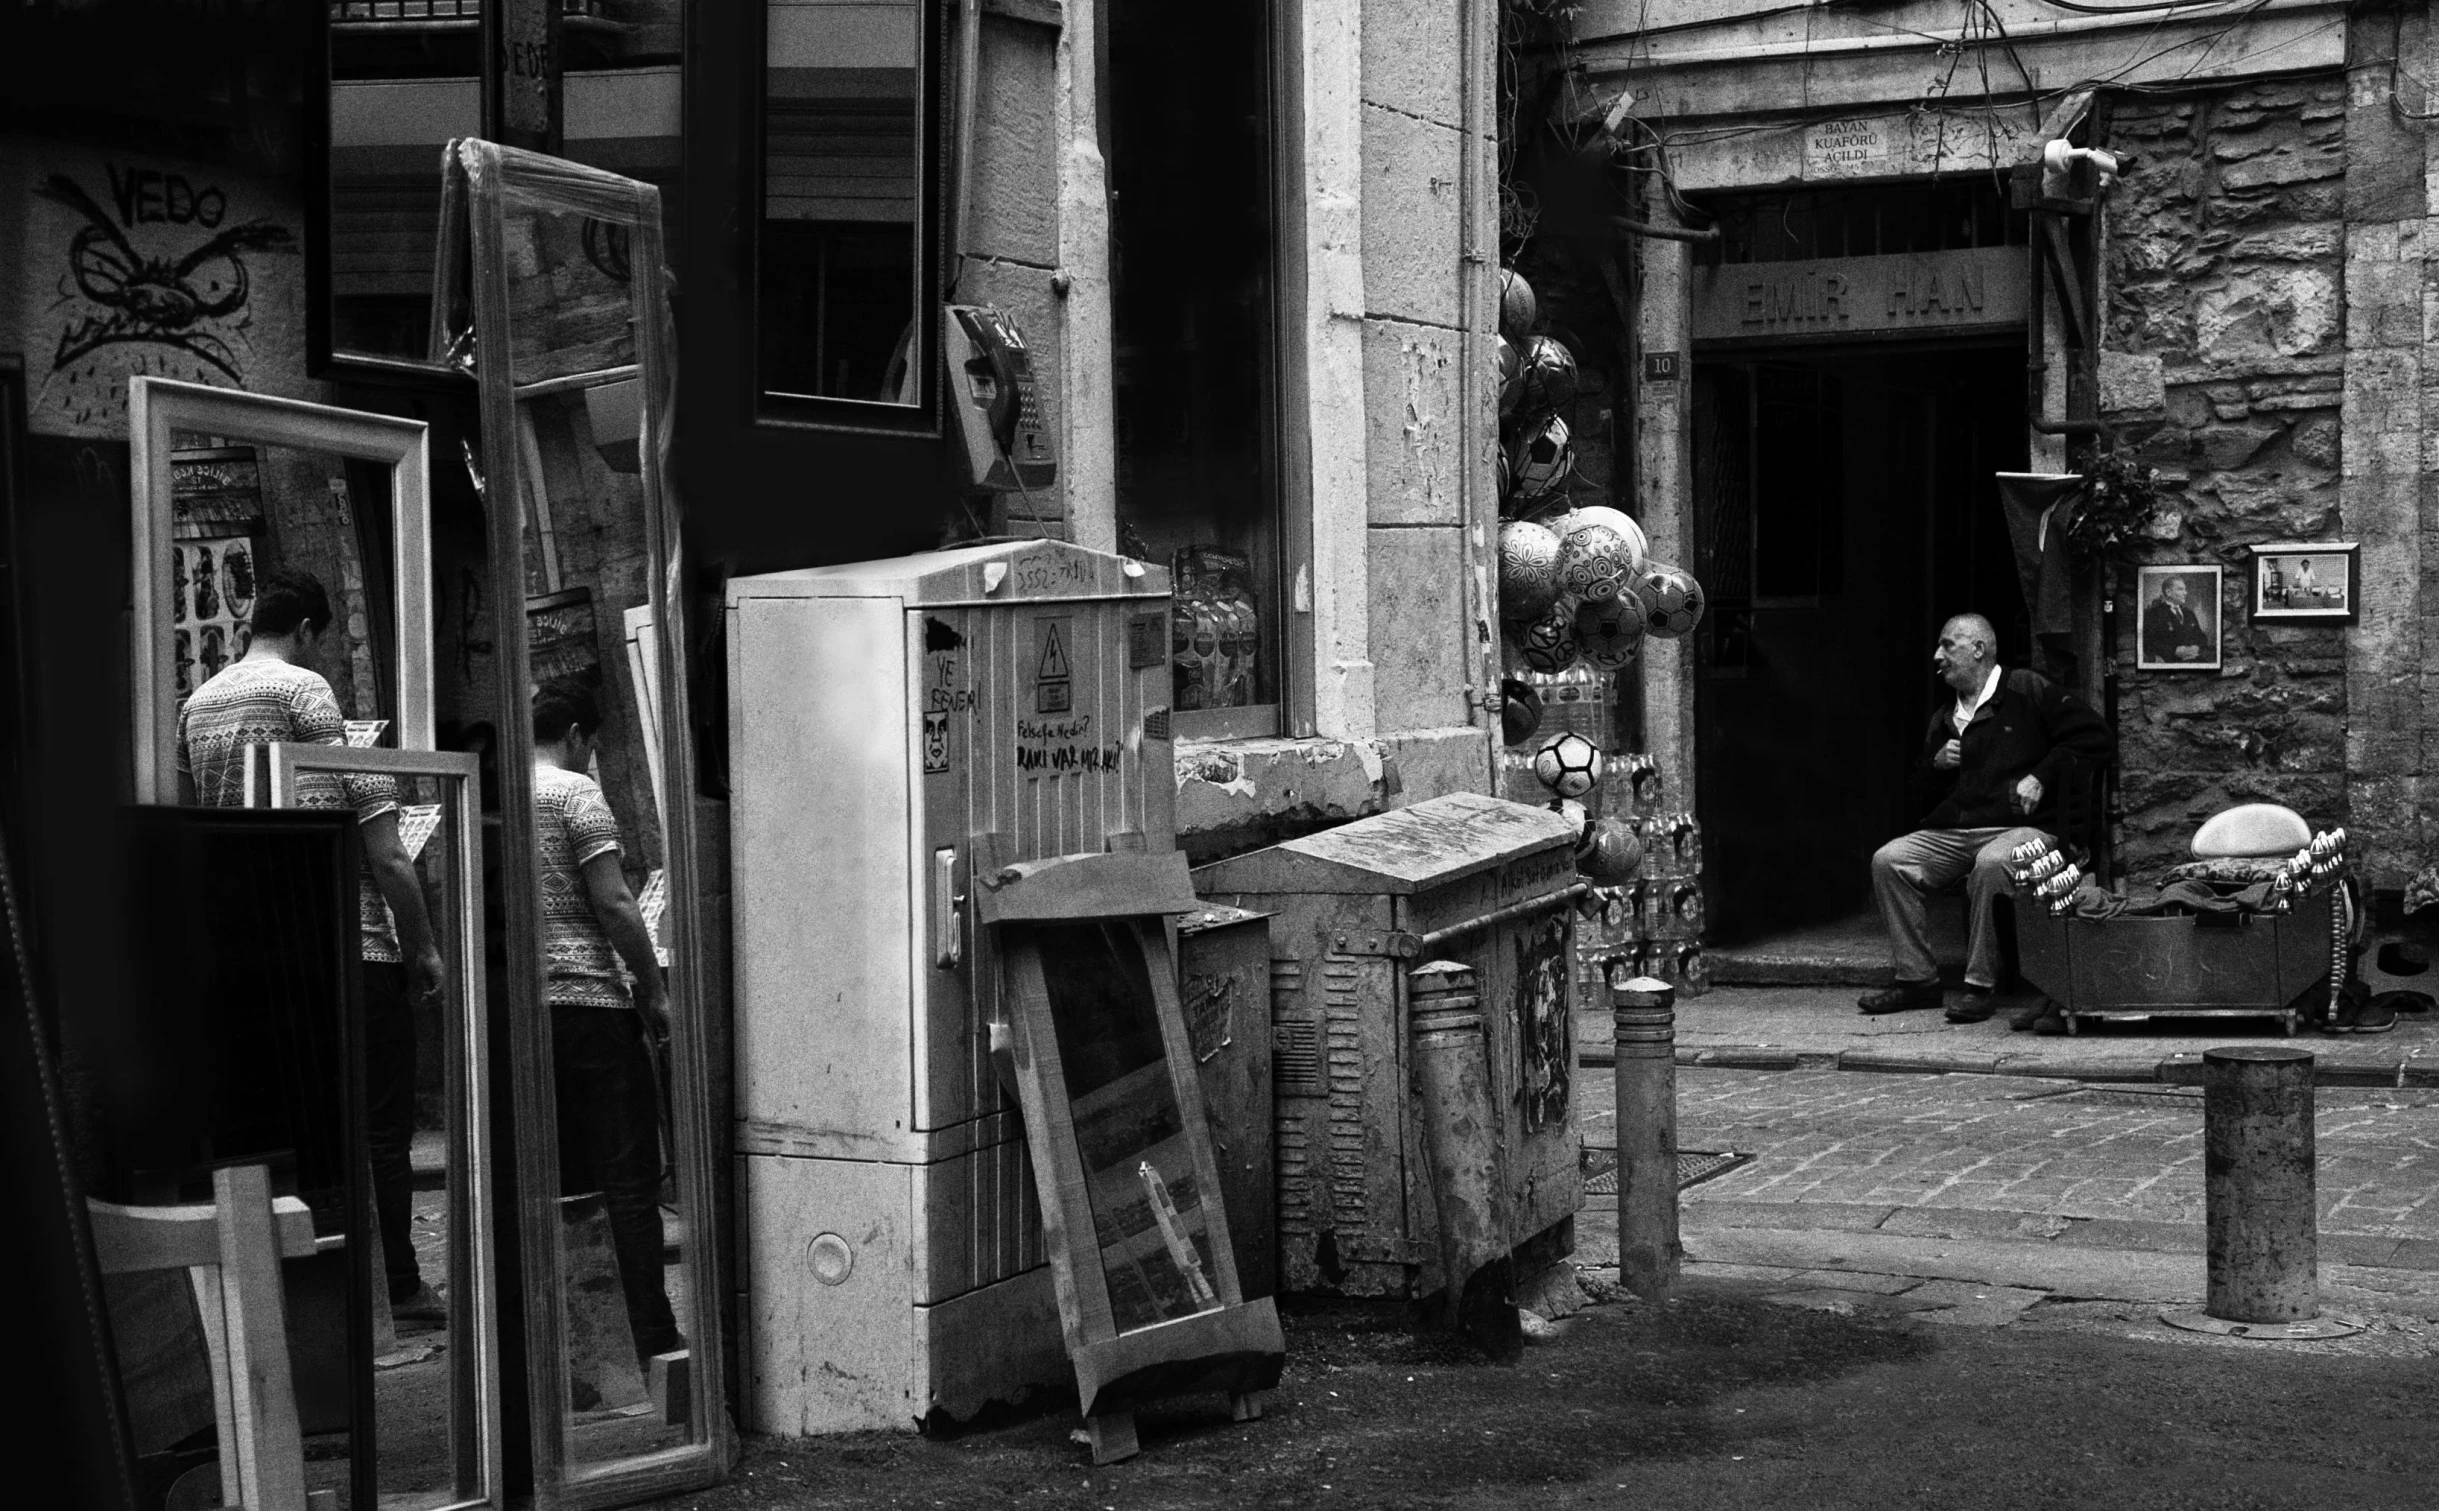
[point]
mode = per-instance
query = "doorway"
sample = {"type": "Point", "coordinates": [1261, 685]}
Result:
{"type": "Point", "coordinates": [1844, 507]}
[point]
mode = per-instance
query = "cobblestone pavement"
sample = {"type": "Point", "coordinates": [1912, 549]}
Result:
{"type": "Point", "coordinates": [2016, 1144]}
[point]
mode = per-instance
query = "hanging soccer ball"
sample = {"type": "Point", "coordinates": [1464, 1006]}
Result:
{"type": "Point", "coordinates": [1614, 854]}
{"type": "Point", "coordinates": [1595, 563]}
{"type": "Point", "coordinates": [1671, 598]}
{"type": "Point", "coordinates": [1568, 764]}
{"type": "Point", "coordinates": [1548, 643]}
{"type": "Point", "coordinates": [1544, 455]}
{"type": "Point", "coordinates": [1550, 378]}
{"type": "Point", "coordinates": [1615, 519]}
{"type": "Point", "coordinates": [1519, 711]}
{"type": "Point", "coordinates": [1528, 570]}
{"type": "Point", "coordinates": [1511, 376]}
{"type": "Point", "coordinates": [1518, 309]}
{"type": "Point", "coordinates": [1610, 631]}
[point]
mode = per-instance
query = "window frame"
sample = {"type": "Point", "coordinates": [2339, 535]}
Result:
{"type": "Point", "coordinates": [763, 409]}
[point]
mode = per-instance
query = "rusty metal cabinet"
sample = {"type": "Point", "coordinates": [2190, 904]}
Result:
{"type": "Point", "coordinates": [1474, 879]}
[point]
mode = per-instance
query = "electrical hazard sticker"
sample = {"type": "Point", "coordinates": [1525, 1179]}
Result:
{"type": "Point", "coordinates": [1053, 681]}
{"type": "Point", "coordinates": [935, 742]}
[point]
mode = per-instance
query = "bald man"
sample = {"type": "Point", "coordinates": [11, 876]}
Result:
{"type": "Point", "coordinates": [1993, 758]}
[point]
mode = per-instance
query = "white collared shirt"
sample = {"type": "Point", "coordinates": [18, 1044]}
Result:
{"type": "Point", "coordinates": [1965, 711]}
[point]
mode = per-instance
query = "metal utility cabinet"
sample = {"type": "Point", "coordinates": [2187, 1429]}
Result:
{"type": "Point", "coordinates": [887, 720]}
{"type": "Point", "coordinates": [1474, 879]}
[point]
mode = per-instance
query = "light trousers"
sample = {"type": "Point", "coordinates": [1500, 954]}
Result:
{"type": "Point", "coordinates": [1909, 868]}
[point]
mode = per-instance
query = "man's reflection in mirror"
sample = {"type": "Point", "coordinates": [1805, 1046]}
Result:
{"type": "Point", "coordinates": [272, 695]}
{"type": "Point", "coordinates": [602, 1031]}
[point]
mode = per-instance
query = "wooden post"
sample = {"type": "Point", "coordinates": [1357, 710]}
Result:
{"type": "Point", "coordinates": [1461, 1142]}
{"type": "Point", "coordinates": [1649, 1252]}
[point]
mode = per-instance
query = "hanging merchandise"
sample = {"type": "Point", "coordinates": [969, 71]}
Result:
{"type": "Point", "coordinates": [1518, 310]}
{"type": "Point", "coordinates": [1519, 711]}
{"type": "Point", "coordinates": [1579, 823]}
{"type": "Point", "coordinates": [1568, 764]}
{"type": "Point", "coordinates": [1610, 631]}
{"type": "Point", "coordinates": [1615, 855]}
{"type": "Point", "coordinates": [1511, 376]}
{"type": "Point", "coordinates": [1544, 455]}
{"type": "Point", "coordinates": [1618, 520]}
{"type": "Point", "coordinates": [1595, 562]}
{"type": "Point", "coordinates": [1550, 377]}
{"type": "Point", "coordinates": [1671, 598]}
{"type": "Point", "coordinates": [1528, 570]}
{"type": "Point", "coordinates": [1548, 643]}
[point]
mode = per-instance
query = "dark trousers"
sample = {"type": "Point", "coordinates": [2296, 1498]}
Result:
{"type": "Point", "coordinates": [610, 1141]}
{"type": "Point", "coordinates": [389, 1118]}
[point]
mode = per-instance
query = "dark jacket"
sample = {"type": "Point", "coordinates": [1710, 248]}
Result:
{"type": "Point", "coordinates": [2030, 724]}
{"type": "Point", "coordinates": [2166, 627]}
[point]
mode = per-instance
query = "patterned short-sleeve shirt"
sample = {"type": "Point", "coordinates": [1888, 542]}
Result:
{"type": "Point", "coordinates": [265, 701]}
{"type": "Point", "coordinates": [573, 824]}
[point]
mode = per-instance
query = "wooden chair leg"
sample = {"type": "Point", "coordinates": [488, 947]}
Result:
{"type": "Point", "coordinates": [1113, 1436]}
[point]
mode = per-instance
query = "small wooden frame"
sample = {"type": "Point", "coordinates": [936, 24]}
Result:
{"type": "Point", "coordinates": [2306, 583]}
{"type": "Point", "coordinates": [1149, 1298]}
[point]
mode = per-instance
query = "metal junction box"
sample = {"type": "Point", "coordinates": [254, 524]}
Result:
{"type": "Point", "coordinates": [885, 720]}
{"type": "Point", "coordinates": [1469, 878]}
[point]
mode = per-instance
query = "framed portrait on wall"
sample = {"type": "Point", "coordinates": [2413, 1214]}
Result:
{"type": "Point", "coordinates": [2179, 623]}
{"type": "Point", "coordinates": [2305, 582]}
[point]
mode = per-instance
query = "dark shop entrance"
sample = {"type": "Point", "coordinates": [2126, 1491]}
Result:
{"type": "Point", "coordinates": [1844, 508]}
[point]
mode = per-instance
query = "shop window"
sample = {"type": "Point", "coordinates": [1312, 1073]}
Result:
{"type": "Point", "coordinates": [404, 77]}
{"type": "Point", "coordinates": [841, 278]}
{"type": "Point", "coordinates": [1188, 125]}
{"type": "Point", "coordinates": [1970, 210]}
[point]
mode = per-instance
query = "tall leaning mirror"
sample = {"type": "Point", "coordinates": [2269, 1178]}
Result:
{"type": "Point", "coordinates": [570, 341]}
{"type": "Point", "coordinates": [281, 654]}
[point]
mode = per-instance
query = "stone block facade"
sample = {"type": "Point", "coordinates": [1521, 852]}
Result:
{"type": "Point", "coordinates": [2227, 285]}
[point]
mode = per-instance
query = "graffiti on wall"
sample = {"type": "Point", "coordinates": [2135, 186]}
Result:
{"type": "Point", "coordinates": [157, 278]}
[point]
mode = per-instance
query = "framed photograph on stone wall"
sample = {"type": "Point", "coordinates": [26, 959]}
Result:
{"type": "Point", "coordinates": [2305, 582]}
{"type": "Point", "coordinates": [2181, 618]}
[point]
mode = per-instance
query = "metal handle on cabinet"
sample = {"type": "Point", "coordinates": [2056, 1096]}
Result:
{"type": "Point", "coordinates": [948, 938]}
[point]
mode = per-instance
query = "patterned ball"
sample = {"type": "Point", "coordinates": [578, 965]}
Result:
{"type": "Point", "coordinates": [1671, 598]}
{"type": "Point", "coordinates": [1549, 374]}
{"type": "Point", "coordinates": [1518, 309]}
{"type": "Point", "coordinates": [1544, 455]}
{"type": "Point", "coordinates": [1511, 376]}
{"type": "Point", "coordinates": [1519, 711]}
{"type": "Point", "coordinates": [1610, 632]}
{"type": "Point", "coordinates": [1595, 563]}
{"type": "Point", "coordinates": [1528, 569]}
{"type": "Point", "coordinates": [1615, 853]}
{"type": "Point", "coordinates": [1548, 643]}
{"type": "Point", "coordinates": [1618, 520]}
{"type": "Point", "coordinates": [1568, 764]}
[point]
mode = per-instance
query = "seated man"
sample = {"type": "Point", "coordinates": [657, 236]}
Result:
{"type": "Point", "coordinates": [1995, 758]}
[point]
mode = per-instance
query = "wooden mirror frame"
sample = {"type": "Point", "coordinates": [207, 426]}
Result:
{"type": "Point", "coordinates": [159, 407]}
{"type": "Point", "coordinates": [473, 1328]}
{"type": "Point", "coordinates": [493, 180]}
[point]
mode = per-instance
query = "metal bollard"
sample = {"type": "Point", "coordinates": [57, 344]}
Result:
{"type": "Point", "coordinates": [1645, 1012]}
{"type": "Point", "coordinates": [1461, 1142]}
{"type": "Point", "coordinates": [2264, 1231]}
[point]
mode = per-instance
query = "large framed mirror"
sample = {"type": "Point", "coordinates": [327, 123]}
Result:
{"type": "Point", "coordinates": [571, 339]}
{"type": "Point", "coordinates": [434, 1444]}
{"type": "Point", "coordinates": [233, 491]}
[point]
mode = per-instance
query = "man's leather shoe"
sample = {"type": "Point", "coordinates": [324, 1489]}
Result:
{"type": "Point", "coordinates": [1973, 1006]}
{"type": "Point", "coordinates": [1905, 996]}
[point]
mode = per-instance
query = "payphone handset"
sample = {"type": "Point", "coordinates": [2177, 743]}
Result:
{"type": "Point", "coordinates": [997, 401]}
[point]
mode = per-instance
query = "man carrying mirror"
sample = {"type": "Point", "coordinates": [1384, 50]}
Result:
{"type": "Point", "coordinates": [272, 695]}
{"type": "Point", "coordinates": [608, 1104]}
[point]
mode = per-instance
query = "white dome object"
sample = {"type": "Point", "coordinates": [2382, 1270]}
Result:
{"type": "Point", "coordinates": [2251, 831]}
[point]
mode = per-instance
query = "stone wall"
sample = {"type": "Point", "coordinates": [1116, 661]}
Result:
{"type": "Point", "coordinates": [2224, 365]}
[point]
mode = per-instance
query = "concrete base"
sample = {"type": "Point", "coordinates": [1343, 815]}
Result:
{"type": "Point", "coordinates": [2267, 1332]}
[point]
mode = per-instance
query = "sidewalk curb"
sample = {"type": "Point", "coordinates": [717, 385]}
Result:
{"type": "Point", "coordinates": [2175, 1069]}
